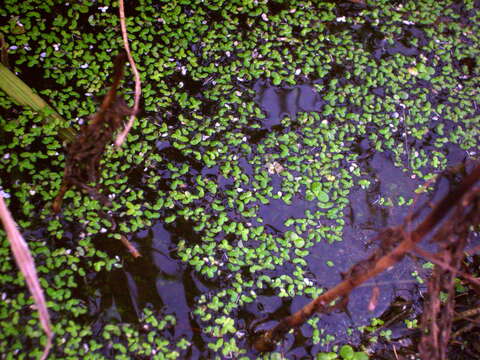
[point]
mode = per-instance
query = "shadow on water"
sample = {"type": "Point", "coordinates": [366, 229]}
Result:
{"type": "Point", "coordinates": [158, 280]}
{"type": "Point", "coordinates": [279, 102]}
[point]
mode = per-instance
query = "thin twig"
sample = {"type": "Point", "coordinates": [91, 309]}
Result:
{"type": "Point", "coordinates": [25, 262]}
{"type": "Point", "coordinates": [405, 134]}
{"type": "Point", "coordinates": [437, 261]}
{"type": "Point", "coordinates": [464, 329]}
{"type": "Point", "coordinates": [138, 87]}
{"type": "Point", "coordinates": [467, 313]}
{"type": "Point", "coordinates": [132, 249]}
{"type": "Point", "coordinates": [395, 351]}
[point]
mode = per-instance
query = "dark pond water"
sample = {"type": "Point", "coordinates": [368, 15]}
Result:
{"type": "Point", "coordinates": [160, 280]}
{"type": "Point", "coordinates": [279, 102]}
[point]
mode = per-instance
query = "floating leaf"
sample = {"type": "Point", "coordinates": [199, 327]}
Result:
{"type": "Point", "coordinates": [319, 193]}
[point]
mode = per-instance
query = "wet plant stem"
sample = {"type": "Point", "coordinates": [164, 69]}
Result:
{"type": "Point", "coordinates": [24, 96]}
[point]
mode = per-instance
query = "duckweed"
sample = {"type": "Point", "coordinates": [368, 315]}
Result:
{"type": "Point", "coordinates": [228, 205]}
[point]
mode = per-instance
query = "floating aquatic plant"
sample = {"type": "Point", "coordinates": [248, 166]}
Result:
{"type": "Point", "coordinates": [201, 161]}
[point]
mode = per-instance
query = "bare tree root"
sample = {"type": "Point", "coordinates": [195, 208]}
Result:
{"type": "Point", "coordinates": [84, 154]}
{"type": "Point", "coordinates": [138, 87]}
{"type": "Point", "coordinates": [395, 244]}
{"type": "Point", "coordinates": [439, 306]}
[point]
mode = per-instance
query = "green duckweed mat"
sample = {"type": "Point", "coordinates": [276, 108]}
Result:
{"type": "Point", "coordinates": [275, 139]}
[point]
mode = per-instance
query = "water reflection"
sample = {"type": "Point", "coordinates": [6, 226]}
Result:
{"type": "Point", "coordinates": [280, 102]}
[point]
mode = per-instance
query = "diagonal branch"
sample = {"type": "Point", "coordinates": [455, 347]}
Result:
{"type": "Point", "coordinates": [25, 262]}
{"type": "Point", "coordinates": [396, 243]}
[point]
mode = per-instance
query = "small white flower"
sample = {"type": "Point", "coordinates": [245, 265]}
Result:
{"type": "Point", "coordinates": [83, 66]}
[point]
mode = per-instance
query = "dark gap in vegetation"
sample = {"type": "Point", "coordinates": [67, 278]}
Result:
{"type": "Point", "coordinates": [178, 157]}
{"type": "Point", "coordinates": [256, 135]}
{"type": "Point", "coordinates": [214, 16]}
{"type": "Point", "coordinates": [336, 28]}
{"type": "Point", "coordinates": [244, 26]}
{"type": "Point", "coordinates": [34, 76]}
{"type": "Point", "coordinates": [362, 147]}
{"type": "Point", "coordinates": [336, 71]}
{"type": "Point", "coordinates": [379, 91]}
{"type": "Point", "coordinates": [208, 107]}
{"type": "Point", "coordinates": [183, 229]}
{"type": "Point", "coordinates": [193, 87]}
{"type": "Point", "coordinates": [170, 115]}
{"type": "Point", "coordinates": [275, 7]}
{"type": "Point", "coordinates": [467, 63]}
{"type": "Point", "coordinates": [348, 8]}
{"type": "Point", "coordinates": [296, 31]}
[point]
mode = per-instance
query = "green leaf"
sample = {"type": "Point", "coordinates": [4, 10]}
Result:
{"type": "Point", "coordinates": [346, 352]}
{"type": "Point", "coordinates": [319, 193]}
{"type": "Point", "coordinates": [327, 356]}
{"type": "Point", "coordinates": [170, 219]}
{"type": "Point", "coordinates": [293, 237]}
{"type": "Point", "coordinates": [360, 356]}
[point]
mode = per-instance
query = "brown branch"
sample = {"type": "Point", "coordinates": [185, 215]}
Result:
{"type": "Point", "coordinates": [438, 312]}
{"type": "Point", "coordinates": [138, 87]}
{"type": "Point", "coordinates": [132, 249]}
{"type": "Point", "coordinates": [380, 260]}
{"type": "Point", "coordinates": [467, 313]}
{"type": "Point", "coordinates": [434, 258]}
{"type": "Point", "coordinates": [84, 154]}
{"type": "Point", "coordinates": [3, 51]}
